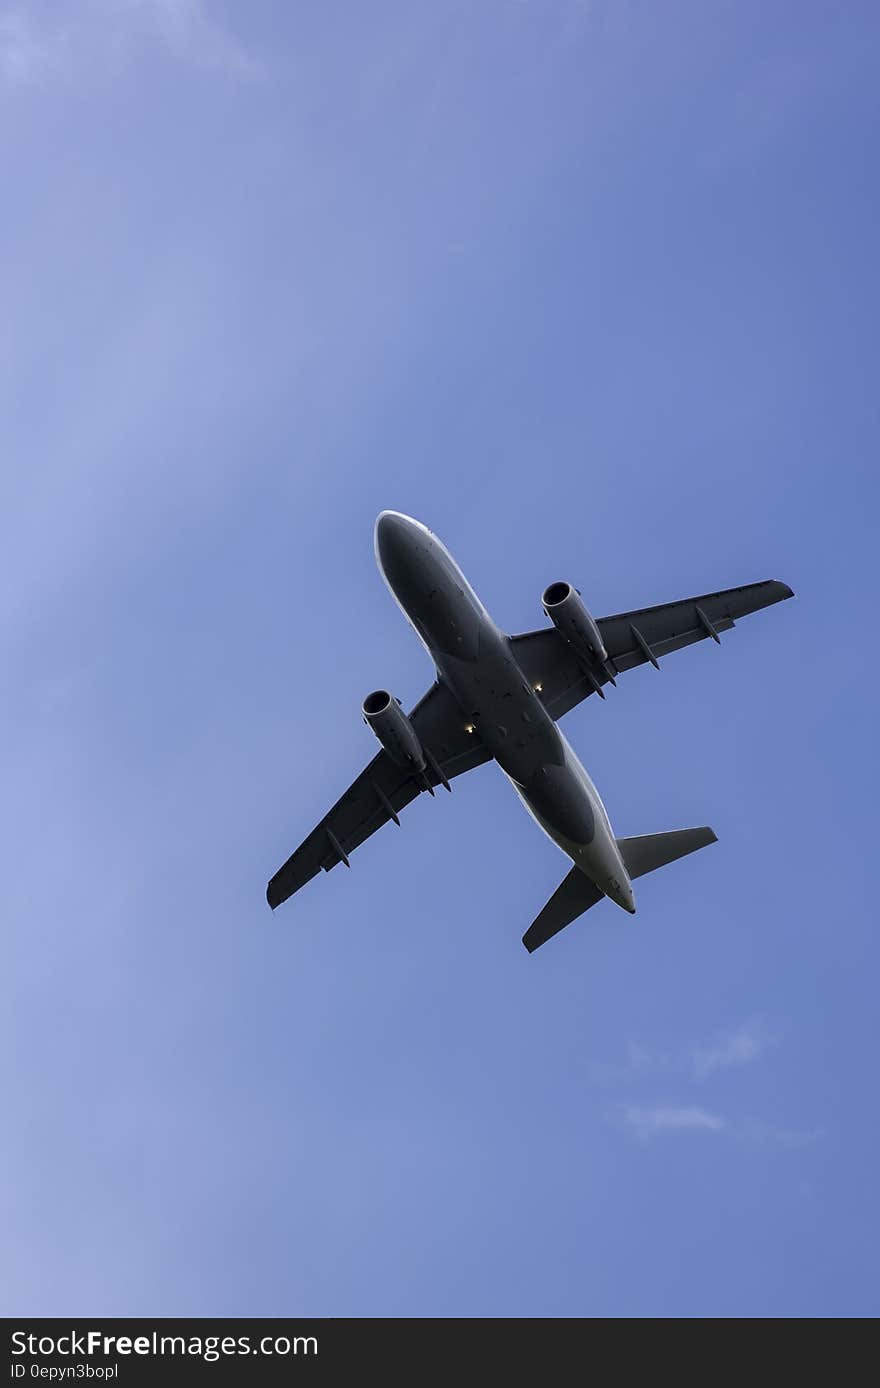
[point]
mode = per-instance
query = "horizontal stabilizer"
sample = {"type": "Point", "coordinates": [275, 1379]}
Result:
{"type": "Point", "coordinates": [575, 895]}
{"type": "Point", "coordinates": [649, 851]}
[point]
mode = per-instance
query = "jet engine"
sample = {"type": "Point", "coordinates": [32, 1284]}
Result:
{"type": "Point", "coordinates": [394, 730]}
{"type": "Point", "coordinates": [564, 607]}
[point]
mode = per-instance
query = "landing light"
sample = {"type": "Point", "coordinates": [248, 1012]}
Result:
{"type": "Point", "coordinates": [469, 728]}
{"type": "Point", "coordinates": [539, 689]}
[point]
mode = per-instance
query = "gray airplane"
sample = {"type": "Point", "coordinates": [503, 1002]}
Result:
{"type": "Point", "coordinates": [499, 696]}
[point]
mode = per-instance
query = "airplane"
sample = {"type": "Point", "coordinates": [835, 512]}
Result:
{"type": "Point", "coordinates": [499, 696]}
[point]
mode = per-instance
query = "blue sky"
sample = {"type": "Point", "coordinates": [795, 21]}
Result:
{"type": "Point", "coordinates": [592, 289]}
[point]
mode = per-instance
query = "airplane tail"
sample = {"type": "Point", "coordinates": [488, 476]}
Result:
{"type": "Point", "coordinates": [576, 893]}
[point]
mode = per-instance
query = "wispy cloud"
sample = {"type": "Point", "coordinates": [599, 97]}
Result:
{"type": "Point", "coordinates": [657, 1120]}
{"type": "Point", "coordinates": [739, 1047]}
{"type": "Point", "coordinates": [688, 1067]}
{"type": "Point", "coordinates": [37, 45]}
{"type": "Point", "coordinates": [646, 1121]}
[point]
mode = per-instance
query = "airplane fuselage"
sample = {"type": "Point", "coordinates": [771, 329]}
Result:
{"type": "Point", "coordinates": [475, 660]}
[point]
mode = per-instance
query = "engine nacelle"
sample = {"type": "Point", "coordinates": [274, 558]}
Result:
{"type": "Point", "coordinates": [564, 607]}
{"type": "Point", "coordinates": [396, 733]}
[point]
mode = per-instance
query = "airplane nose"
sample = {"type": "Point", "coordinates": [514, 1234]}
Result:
{"type": "Point", "coordinates": [392, 535]}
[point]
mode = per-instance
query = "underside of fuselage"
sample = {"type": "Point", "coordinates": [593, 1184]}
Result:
{"type": "Point", "coordinates": [474, 659]}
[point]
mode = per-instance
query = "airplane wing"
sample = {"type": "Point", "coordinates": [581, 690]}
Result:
{"type": "Point", "coordinates": [634, 638]}
{"type": "Point", "coordinates": [382, 790]}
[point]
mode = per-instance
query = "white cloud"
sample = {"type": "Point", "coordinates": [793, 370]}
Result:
{"type": "Point", "coordinates": [739, 1046]}
{"type": "Point", "coordinates": [655, 1120]}
{"type": "Point", "coordinates": [646, 1121]}
{"type": "Point", "coordinates": [35, 45]}
{"type": "Point", "coordinates": [733, 1048]}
